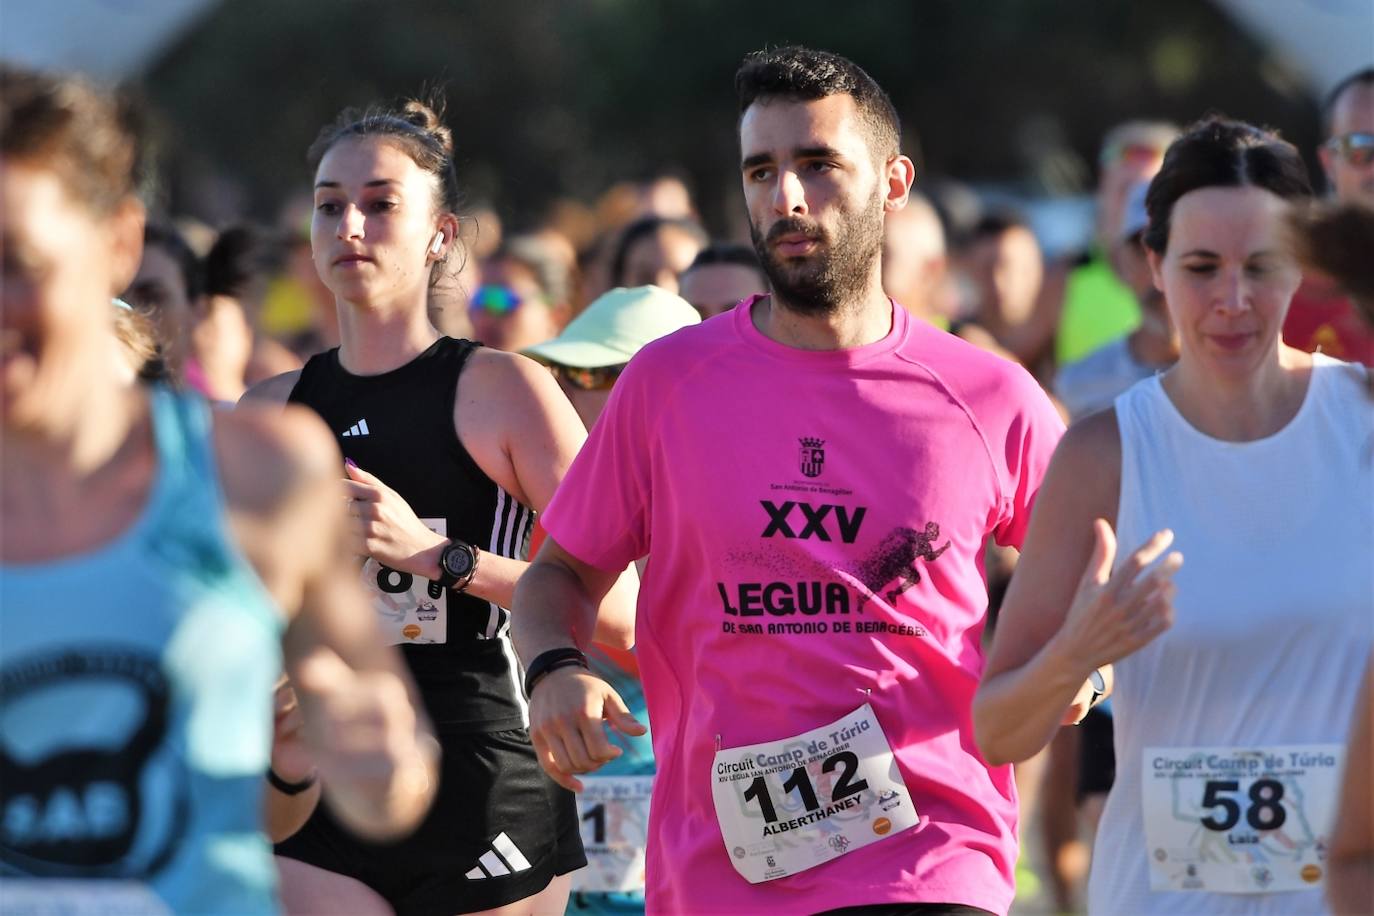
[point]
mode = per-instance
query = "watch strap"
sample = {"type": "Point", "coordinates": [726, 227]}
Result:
{"type": "Point", "coordinates": [552, 660]}
{"type": "Point", "coordinates": [291, 788]}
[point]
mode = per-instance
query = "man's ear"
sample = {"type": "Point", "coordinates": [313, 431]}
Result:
{"type": "Point", "coordinates": [899, 174]}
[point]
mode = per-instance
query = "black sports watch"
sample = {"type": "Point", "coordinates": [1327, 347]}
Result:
{"type": "Point", "coordinates": [458, 565]}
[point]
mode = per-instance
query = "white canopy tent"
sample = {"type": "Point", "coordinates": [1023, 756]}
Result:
{"type": "Point", "coordinates": [108, 40]}
{"type": "Point", "coordinates": [1327, 40]}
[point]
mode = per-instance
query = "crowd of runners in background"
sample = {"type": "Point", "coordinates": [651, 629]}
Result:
{"type": "Point", "coordinates": [385, 533]}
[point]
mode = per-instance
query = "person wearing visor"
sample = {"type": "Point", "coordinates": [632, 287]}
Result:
{"type": "Point", "coordinates": [524, 297]}
{"type": "Point", "coordinates": [1097, 306]}
{"type": "Point", "coordinates": [589, 355]}
{"type": "Point", "coordinates": [587, 358]}
{"type": "Point", "coordinates": [1093, 382]}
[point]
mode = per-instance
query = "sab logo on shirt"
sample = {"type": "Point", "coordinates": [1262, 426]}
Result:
{"type": "Point", "coordinates": [89, 787]}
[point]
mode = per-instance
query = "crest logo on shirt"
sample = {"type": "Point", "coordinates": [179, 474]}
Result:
{"type": "Point", "coordinates": [812, 456]}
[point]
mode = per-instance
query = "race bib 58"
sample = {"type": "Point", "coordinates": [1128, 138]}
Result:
{"type": "Point", "coordinates": [1247, 820]}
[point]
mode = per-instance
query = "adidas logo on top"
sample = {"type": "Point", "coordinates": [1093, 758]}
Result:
{"type": "Point", "coordinates": [357, 429]}
{"type": "Point", "coordinates": [503, 858]}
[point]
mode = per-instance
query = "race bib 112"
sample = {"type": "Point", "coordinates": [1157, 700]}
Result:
{"type": "Point", "coordinates": [1248, 820]}
{"type": "Point", "coordinates": [789, 805]}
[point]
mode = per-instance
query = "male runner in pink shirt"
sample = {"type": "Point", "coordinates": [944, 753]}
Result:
{"type": "Point", "coordinates": [813, 477]}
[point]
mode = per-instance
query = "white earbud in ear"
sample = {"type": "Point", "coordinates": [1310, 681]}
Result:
{"type": "Point", "coordinates": [437, 245]}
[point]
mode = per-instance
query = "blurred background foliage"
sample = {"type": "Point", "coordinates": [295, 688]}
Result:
{"type": "Point", "coordinates": [560, 98]}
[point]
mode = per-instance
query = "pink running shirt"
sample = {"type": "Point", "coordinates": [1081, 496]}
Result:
{"type": "Point", "coordinates": [815, 524]}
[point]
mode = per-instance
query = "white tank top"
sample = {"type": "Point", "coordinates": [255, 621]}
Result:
{"type": "Point", "coordinates": [1274, 624]}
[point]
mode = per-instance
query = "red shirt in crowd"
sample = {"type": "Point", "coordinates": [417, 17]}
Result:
{"type": "Point", "coordinates": [1323, 319]}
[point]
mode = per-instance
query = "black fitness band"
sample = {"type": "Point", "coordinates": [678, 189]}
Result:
{"type": "Point", "coordinates": [551, 660]}
{"type": "Point", "coordinates": [290, 788]}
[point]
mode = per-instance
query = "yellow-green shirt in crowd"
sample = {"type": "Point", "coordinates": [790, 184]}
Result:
{"type": "Point", "coordinates": [1098, 309]}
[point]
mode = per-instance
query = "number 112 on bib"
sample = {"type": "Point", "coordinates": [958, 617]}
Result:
{"type": "Point", "coordinates": [788, 805]}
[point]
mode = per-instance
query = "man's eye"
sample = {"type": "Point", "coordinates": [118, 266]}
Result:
{"type": "Point", "coordinates": [758, 175]}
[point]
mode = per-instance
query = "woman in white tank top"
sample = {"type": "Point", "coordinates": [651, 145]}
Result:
{"type": "Point", "coordinates": [1236, 675]}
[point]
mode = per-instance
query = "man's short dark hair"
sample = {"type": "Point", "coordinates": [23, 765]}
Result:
{"type": "Point", "coordinates": [798, 74]}
{"type": "Point", "coordinates": [1363, 77]}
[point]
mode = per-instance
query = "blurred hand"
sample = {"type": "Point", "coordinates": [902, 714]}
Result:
{"type": "Point", "coordinates": [569, 710]}
{"type": "Point", "coordinates": [386, 528]}
{"type": "Point", "coordinates": [1116, 613]}
{"type": "Point", "coordinates": [291, 757]}
{"type": "Point", "coordinates": [363, 733]}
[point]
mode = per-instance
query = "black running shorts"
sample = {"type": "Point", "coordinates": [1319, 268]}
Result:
{"type": "Point", "coordinates": [500, 830]}
{"type": "Point", "coordinates": [1096, 755]}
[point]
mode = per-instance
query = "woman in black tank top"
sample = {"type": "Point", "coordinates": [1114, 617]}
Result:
{"type": "Point", "coordinates": [452, 449]}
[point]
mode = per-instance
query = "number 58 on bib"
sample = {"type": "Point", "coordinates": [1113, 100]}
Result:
{"type": "Point", "coordinates": [1239, 820]}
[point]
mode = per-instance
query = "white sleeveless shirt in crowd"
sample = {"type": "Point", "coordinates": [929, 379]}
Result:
{"type": "Point", "coordinates": [1274, 625]}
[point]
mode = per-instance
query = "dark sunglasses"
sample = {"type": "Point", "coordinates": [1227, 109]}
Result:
{"type": "Point", "coordinates": [1356, 148]}
{"type": "Point", "coordinates": [597, 379]}
{"type": "Point", "coordinates": [495, 298]}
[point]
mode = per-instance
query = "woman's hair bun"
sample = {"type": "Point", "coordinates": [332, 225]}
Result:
{"type": "Point", "coordinates": [428, 115]}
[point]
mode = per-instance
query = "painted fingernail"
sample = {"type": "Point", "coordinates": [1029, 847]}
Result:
{"type": "Point", "coordinates": [351, 463]}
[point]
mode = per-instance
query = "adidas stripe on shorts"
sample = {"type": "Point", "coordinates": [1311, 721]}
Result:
{"type": "Point", "coordinates": [500, 830]}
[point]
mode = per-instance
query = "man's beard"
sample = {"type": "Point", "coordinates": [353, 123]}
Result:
{"type": "Point", "coordinates": [833, 276]}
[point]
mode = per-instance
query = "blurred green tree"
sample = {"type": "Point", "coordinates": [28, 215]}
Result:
{"type": "Point", "coordinates": [563, 97]}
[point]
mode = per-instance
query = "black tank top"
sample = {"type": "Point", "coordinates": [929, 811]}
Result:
{"type": "Point", "coordinates": [399, 426]}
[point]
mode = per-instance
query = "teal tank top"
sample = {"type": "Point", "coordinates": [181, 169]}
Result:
{"type": "Point", "coordinates": [136, 688]}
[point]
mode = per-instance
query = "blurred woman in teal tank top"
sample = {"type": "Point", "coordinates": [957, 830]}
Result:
{"type": "Point", "coordinates": [154, 564]}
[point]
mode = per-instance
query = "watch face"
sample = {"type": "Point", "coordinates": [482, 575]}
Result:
{"type": "Point", "coordinates": [457, 561]}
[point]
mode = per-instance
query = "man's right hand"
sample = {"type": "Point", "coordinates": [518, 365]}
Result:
{"type": "Point", "coordinates": [569, 710]}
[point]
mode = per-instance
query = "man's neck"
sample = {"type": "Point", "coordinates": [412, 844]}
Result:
{"type": "Point", "coordinates": [864, 320]}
